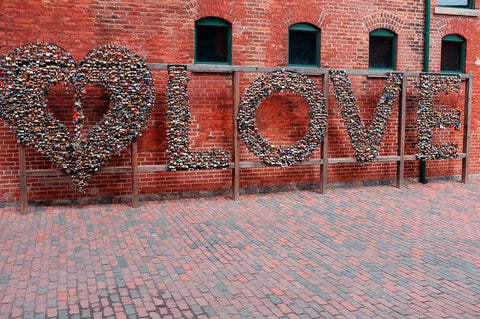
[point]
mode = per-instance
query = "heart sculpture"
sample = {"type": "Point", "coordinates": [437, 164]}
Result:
{"type": "Point", "coordinates": [27, 74]}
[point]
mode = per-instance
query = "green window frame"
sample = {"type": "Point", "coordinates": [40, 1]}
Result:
{"type": "Point", "coordinates": [213, 41]}
{"type": "Point", "coordinates": [382, 50]}
{"type": "Point", "coordinates": [453, 54]}
{"type": "Point", "coordinates": [466, 4]}
{"type": "Point", "coordinates": [303, 45]}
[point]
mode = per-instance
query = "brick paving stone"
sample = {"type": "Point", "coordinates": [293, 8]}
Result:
{"type": "Point", "coordinates": [51, 312]}
{"type": "Point", "coordinates": [362, 252]}
{"type": "Point", "coordinates": [274, 299]}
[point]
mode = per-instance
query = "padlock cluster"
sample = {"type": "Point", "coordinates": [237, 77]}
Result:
{"type": "Point", "coordinates": [28, 73]}
{"type": "Point", "coordinates": [178, 128]}
{"type": "Point", "coordinates": [365, 142]}
{"type": "Point", "coordinates": [261, 89]}
{"type": "Point", "coordinates": [430, 117]}
{"type": "Point", "coordinates": [132, 96]}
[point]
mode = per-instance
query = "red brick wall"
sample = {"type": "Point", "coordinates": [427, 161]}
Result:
{"type": "Point", "coordinates": [163, 32]}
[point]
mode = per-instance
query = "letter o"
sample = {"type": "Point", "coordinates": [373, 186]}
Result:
{"type": "Point", "coordinates": [262, 88]}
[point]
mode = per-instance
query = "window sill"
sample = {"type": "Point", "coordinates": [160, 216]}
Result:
{"type": "Point", "coordinates": [451, 72]}
{"type": "Point", "coordinates": [211, 63]}
{"type": "Point", "coordinates": [457, 11]}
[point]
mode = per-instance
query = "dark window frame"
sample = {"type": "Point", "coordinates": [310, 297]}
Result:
{"type": "Point", "coordinates": [304, 29]}
{"type": "Point", "coordinates": [218, 24]}
{"type": "Point", "coordinates": [458, 39]}
{"type": "Point", "coordinates": [387, 35]}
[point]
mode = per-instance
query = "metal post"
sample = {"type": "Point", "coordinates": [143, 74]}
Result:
{"type": "Point", "coordinates": [401, 134]}
{"type": "Point", "coordinates": [466, 130]}
{"type": "Point", "coordinates": [236, 152]}
{"type": "Point", "coordinates": [134, 154]}
{"type": "Point", "coordinates": [23, 180]}
{"type": "Point", "coordinates": [324, 170]}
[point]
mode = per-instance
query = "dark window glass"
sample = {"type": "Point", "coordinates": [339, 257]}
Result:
{"type": "Point", "coordinates": [381, 52]}
{"type": "Point", "coordinates": [456, 3]}
{"type": "Point", "coordinates": [451, 56]}
{"type": "Point", "coordinates": [453, 53]}
{"type": "Point", "coordinates": [302, 48]}
{"type": "Point", "coordinates": [212, 44]}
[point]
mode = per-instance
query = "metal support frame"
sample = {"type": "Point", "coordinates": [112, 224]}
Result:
{"type": "Point", "coordinates": [24, 173]}
{"type": "Point", "coordinates": [236, 165]}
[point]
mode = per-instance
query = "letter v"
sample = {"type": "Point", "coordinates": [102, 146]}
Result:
{"type": "Point", "coordinates": [365, 142]}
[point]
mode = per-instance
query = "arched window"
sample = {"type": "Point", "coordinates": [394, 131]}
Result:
{"type": "Point", "coordinates": [453, 54]}
{"type": "Point", "coordinates": [303, 45]}
{"type": "Point", "coordinates": [382, 49]}
{"type": "Point", "coordinates": [213, 41]}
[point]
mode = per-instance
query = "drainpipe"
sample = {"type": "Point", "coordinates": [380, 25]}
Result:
{"type": "Point", "coordinates": [426, 60]}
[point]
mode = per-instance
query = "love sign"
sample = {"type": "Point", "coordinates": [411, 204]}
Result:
{"type": "Point", "coordinates": [366, 142]}
{"type": "Point", "coordinates": [28, 73]}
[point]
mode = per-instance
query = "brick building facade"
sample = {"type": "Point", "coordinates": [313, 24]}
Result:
{"type": "Point", "coordinates": [164, 33]}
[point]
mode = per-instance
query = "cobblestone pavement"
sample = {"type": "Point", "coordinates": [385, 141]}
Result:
{"type": "Point", "coordinates": [369, 252]}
